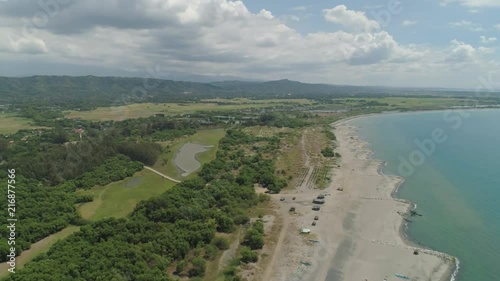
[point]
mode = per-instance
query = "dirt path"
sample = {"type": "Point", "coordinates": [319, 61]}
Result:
{"type": "Point", "coordinates": [284, 214]}
{"type": "Point", "coordinates": [163, 175]}
{"type": "Point", "coordinates": [279, 246]}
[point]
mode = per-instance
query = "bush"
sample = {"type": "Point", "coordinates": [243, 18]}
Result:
{"type": "Point", "coordinates": [180, 267]}
{"type": "Point", "coordinates": [211, 252]}
{"type": "Point", "coordinates": [248, 256]}
{"type": "Point", "coordinates": [198, 269]}
{"type": "Point", "coordinates": [241, 219]}
{"type": "Point", "coordinates": [328, 152]}
{"type": "Point", "coordinates": [221, 243]}
{"type": "Point", "coordinates": [254, 239]}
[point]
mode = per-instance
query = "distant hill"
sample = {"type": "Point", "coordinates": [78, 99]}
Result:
{"type": "Point", "coordinates": [87, 92]}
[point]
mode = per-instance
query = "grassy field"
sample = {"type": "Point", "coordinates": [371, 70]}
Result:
{"type": "Point", "coordinates": [38, 248]}
{"type": "Point", "coordinates": [166, 164]}
{"type": "Point", "coordinates": [149, 109]}
{"type": "Point", "coordinates": [10, 123]}
{"type": "Point", "coordinates": [249, 101]}
{"type": "Point", "coordinates": [411, 103]}
{"type": "Point", "coordinates": [119, 199]}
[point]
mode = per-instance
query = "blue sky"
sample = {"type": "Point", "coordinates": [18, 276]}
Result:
{"type": "Point", "coordinates": [442, 43]}
{"type": "Point", "coordinates": [431, 20]}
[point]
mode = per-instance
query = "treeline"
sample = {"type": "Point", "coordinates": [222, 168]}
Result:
{"type": "Point", "coordinates": [45, 210]}
{"type": "Point", "coordinates": [279, 120]}
{"type": "Point", "coordinates": [113, 169]}
{"type": "Point", "coordinates": [174, 232]}
{"type": "Point", "coordinates": [89, 92]}
{"type": "Point", "coordinates": [58, 155]}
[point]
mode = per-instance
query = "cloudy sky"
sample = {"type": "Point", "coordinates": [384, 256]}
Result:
{"type": "Point", "coordinates": [428, 43]}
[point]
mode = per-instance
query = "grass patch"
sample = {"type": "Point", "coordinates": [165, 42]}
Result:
{"type": "Point", "coordinates": [118, 199]}
{"type": "Point", "coordinates": [10, 123]}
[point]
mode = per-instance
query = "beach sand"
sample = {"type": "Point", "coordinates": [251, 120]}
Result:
{"type": "Point", "coordinates": [359, 229]}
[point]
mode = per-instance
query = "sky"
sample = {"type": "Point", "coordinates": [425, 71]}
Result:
{"type": "Point", "coordinates": [409, 43]}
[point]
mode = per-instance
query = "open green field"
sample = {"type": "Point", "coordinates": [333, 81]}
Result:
{"type": "Point", "coordinates": [411, 103]}
{"type": "Point", "coordinates": [119, 113]}
{"type": "Point", "coordinates": [269, 101]}
{"type": "Point", "coordinates": [166, 164]}
{"type": "Point", "coordinates": [38, 248]}
{"type": "Point", "coordinates": [10, 123]}
{"type": "Point", "coordinates": [118, 199]}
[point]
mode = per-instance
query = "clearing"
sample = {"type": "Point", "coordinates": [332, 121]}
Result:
{"type": "Point", "coordinates": [10, 123]}
{"type": "Point", "coordinates": [118, 199]}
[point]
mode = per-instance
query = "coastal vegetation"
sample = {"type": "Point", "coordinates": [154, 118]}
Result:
{"type": "Point", "coordinates": [80, 163]}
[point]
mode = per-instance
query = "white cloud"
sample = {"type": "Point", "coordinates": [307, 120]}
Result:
{"type": "Point", "coordinates": [408, 23]}
{"type": "Point", "coordinates": [486, 40]}
{"type": "Point", "coordinates": [460, 52]}
{"type": "Point", "coordinates": [467, 25]}
{"type": "Point", "coordinates": [300, 8]}
{"type": "Point", "coordinates": [352, 20]}
{"type": "Point", "coordinates": [288, 18]}
{"type": "Point", "coordinates": [23, 45]}
{"type": "Point", "coordinates": [472, 3]}
{"type": "Point", "coordinates": [222, 37]}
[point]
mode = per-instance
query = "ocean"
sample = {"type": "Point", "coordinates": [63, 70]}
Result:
{"type": "Point", "coordinates": [451, 164]}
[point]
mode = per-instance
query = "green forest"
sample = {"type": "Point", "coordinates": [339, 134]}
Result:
{"type": "Point", "coordinates": [177, 230]}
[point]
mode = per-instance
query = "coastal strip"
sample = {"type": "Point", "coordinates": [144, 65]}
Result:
{"type": "Point", "coordinates": [360, 231]}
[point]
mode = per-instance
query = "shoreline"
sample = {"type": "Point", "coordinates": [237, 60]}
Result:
{"type": "Point", "coordinates": [403, 229]}
{"type": "Point", "coordinates": [360, 234]}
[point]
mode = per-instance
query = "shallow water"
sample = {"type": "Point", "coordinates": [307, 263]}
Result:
{"type": "Point", "coordinates": [185, 159]}
{"type": "Point", "coordinates": [451, 165]}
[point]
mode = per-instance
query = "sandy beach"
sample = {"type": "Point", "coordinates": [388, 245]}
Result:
{"type": "Point", "coordinates": [358, 235]}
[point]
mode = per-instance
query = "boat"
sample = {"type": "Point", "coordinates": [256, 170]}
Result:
{"type": "Point", "coordinates": [402, 276]}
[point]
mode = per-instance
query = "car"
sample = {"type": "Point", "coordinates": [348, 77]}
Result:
{"type": "Point", "coordinates": [292, 209]}
{"type": "Point", "coordinates": [293, 198]}
{"type": "Point", "coordinates": [314, 223]}
{"type": "Point", "coordinates": [282, 199]}
{"type": "Point", "coordinates": [316, 208]}
{"type": "Point", "coordinates": [316, 218]}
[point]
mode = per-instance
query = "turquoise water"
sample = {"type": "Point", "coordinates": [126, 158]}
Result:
{"type": "Point", "coordinates": [454, 179]}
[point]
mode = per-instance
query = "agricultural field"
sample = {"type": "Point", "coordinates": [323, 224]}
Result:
{"type": "Point", "coordinates": [10, 123]}
{"type": "Point", "coordinates": [118, 199]}
{"type": "Point", "coordinates": [166, 161]}
{"type": "Point", "coordinates": [119, 113]}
